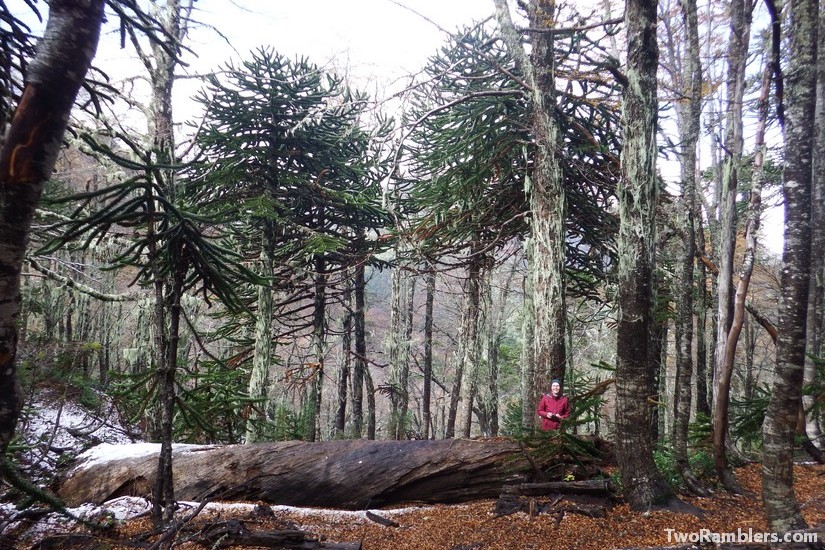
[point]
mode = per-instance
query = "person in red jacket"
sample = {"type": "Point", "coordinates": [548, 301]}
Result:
{"type": "Point", "coordinates": [553, 407]}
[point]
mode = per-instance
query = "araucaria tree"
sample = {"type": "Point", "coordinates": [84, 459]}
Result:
{"type": "Point", "coordinates": [546, 196]}
{"type": "Point", "coordinates": [292, 172]}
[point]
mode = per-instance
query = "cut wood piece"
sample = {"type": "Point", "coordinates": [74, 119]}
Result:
{"type": "Point", "coordinates": [584, 505]}
{"type": "Point", "coordinates": [381, 520]}
{"type": "Point", "coordinates": [350, 474]}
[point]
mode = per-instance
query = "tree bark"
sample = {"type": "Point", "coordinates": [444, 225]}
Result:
{"type": "Point", "coordinates": [352, 474]}
{"type": "Point", "coordinates": [319, 318]}
{"type": "Point", "coordinates": [399, 346]}
{"type": "Point", "coordinates": [360, 367]}
{"type": "Point", "coordinates": [737, 59]}
{"type": "Point", "coordinates": [816, 293]}
{"type": "Point", "coordinates": [547, 196]}
{"type": "Point", "coordinates": [529, 396]}
{"type": "Point", "coordinates": [426, 415]}
{"type": "Point", "coordinates": [690, 114]}
{"type": "Point", "coordinates": [781, 508]}
{"type": "Point", "coordinates": [346, 360]}
{"type": "Point", "coordinates": [262, 354]}
{"type": "Point", "coordinates": [28, 155]}
{"type": "Point", "coordinates": [469, 341]}
{"type": "Point", "coordinates": [644, 486]}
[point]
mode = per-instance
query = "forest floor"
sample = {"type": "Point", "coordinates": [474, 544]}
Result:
{"type": "Point", "coordinates": [475, 526]}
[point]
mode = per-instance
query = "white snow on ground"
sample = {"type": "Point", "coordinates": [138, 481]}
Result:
{"type": "Point", "coordinates": [54, 428]}
{"type": "Point", "coordinates": [127, 508]}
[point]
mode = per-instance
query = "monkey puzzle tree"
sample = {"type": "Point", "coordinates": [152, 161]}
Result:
{"type": "Point", "coordinates": [292, 170]}
{"type": "Point", "coordinates": [472, 154]}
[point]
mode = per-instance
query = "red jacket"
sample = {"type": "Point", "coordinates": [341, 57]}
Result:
{"type": "Point", "coordinates": [555, 405]}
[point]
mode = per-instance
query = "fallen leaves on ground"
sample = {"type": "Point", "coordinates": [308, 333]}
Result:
{"type": "Point", "coordinates": [473, 525]}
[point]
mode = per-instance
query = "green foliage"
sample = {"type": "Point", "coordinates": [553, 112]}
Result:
{"type": "Point", "coordinates": [212, 401]}
{"type": "Point", "coordinates": [747, 416]}
{"type": "Point", "coordinates": [289, 423]}
{"type": "Point", "coordinates": [700, 432]}
{"type": "Point", "coordinates": [287, 165]}
{"type": "Point", "coordinates": [471, 154]}
{"type": "Point", "coordinates": [701, 464]}
{"type": "Point", "coordinates": [213, 404]}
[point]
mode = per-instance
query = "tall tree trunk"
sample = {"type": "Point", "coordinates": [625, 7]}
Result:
{"type": "Point", "coordinates": [426, 415]}
{"type": "Point", "coordinates": [469, 341]}
{"type": "Point", "coordinates": [781, 508]}
{"type": "Point", "coordinates": [319, 317]}
{"type": "Point", "coordinates": [690, 114]}
{"type": "Point", "coordinates": [546, 192]}
{"type": "Point", "coordinates": [399, 347]}
{"type": "Point", "coordinates": [498, 315]}
{"type": "Point", "coordinates": [371, 410]}
{"type": "Point", "coordinates": [28, 156]}
{"type": "Point", "coordinates": [346, 361]}
{"type": "Point", "coordinates": [644, 486]}
{"type": "Point", "coordinates": [657, 358]}
{"type": "Point", "coordinates": [816, 293]}
{"type": "Point", "coordinates": [703, 400]}
{"type": "Point", "coordinates": [360, 367]}
{"type": "Point", "coordinates": [164, 503]}
{"type": "Point", "coordinates": [529, 396]}
{"type": "Point", "coordinates": [262, 355]}
{"type": "Point", "coordinates": [737, 59]}
{"type": "Point", "coordinates": [168, 310]}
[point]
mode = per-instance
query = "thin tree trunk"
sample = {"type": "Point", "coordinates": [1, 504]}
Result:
{"type": "Point", "coordinates": [496, 333]}
{"type": "Point", "coordinates": [319, 316]}
{"type": "Point", "coordinates": [346, 361]}
{"type": "Point", "coordinates": [399, 349]}
{"type": "Point", "coordinates": [426, 415]}
{"type": "Point", "coordinates": [657, 350]}
{"type": "Point", "coordinates": [371, 412]}
{"type": "Point", "coordinates": [723, 359]}
{"type": "Point", "coordinates": [644, 486]}
{"type": "Point", "coordinates": [689, 125]}
{"type": "Point", "coordinates": [164, 484]}
{"type": "Point", "coordinates": [28, 156]}
{"type": "Point", "coordinates": [781, 508]}
{"type": "Point", "coordinates": [161, 131]}
{"type": "Point", "coordinates": [703, 400]}
{"type": "Point", "coordinates": [360, 368]}
{"type": "Point", "coordinates": [529, 397]}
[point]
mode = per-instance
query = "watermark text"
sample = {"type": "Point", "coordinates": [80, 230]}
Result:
{"type": "Point", "coordinates": [706, 536]}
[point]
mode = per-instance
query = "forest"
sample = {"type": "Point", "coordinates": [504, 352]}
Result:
{"type": "Point", "coordinates": [571, 190]}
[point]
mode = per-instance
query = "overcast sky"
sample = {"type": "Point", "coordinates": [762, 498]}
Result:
{"type": "Point", "coordinates": [373, 42]}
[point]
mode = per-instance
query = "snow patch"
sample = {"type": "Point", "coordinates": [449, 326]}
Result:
{"type": "Point", "coordinates": [107, 452]}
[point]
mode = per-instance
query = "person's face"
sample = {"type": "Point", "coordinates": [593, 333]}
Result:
{"type": "Point", "coordinates": [555, 388]}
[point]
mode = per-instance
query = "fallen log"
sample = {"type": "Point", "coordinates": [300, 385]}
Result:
{"type": "Point", "coordinates": [349, 474]}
